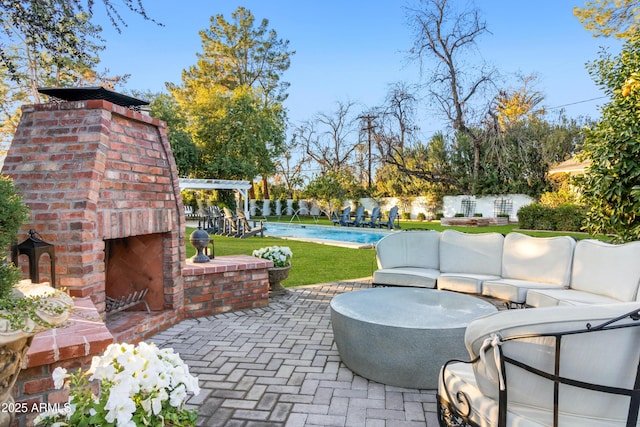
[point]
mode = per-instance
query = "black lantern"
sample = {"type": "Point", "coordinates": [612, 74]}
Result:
{"type": "Point", "coordinates": [33, 248]}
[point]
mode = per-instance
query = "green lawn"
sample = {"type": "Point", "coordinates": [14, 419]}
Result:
{"type": "Point", "coordinates": [315, 263]}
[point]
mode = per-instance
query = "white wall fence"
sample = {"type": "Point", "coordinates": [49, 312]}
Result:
{"type": "Point", "coordinates": [488, 206]}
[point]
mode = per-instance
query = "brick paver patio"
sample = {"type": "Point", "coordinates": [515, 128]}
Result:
{"type": "Point", "coordinates": [279, 366]}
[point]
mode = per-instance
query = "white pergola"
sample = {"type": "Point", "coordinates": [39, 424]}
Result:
{"type": "Point", "coordinates": [240, 187]}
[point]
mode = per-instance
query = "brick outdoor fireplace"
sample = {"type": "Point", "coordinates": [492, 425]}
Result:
{"type": "Point", "coordinates": [102, 186]}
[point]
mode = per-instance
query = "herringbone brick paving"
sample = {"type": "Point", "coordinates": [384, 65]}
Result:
{"type": "Point", "coordinates": [279, 366]}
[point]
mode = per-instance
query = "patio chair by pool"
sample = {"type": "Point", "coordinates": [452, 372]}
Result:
{"type": "Point", "coordinates": [246, 230]}
{"type": "Point", "coordinates": [345, 218]}
{"type": "Point", "coordinates": [552, 366]}
{"type": "Point", "coordinates": [390, 223]}
{"type": "Point", "coordinates": [359, 218]}
{"type": "Point", "coordinates": [231, 224]}
{"type": "Point", "coordinates": [374, 220]}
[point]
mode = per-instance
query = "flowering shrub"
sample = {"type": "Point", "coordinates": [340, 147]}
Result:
{"type": "Point", "coordinates": [140, 385]}
{"type": "Point", "coordinates": [280, 255]}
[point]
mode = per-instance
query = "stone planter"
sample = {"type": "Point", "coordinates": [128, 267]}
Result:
{"type": "Point", "coordinates": [277, 275]}
{"type": "Point", "coordinates": [15, 343]}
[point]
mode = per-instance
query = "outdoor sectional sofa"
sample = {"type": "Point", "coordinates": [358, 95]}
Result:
{"type": "Point", "coordinates": [572, 360]}
{"type": "Point", "coordinates": [516, 268]}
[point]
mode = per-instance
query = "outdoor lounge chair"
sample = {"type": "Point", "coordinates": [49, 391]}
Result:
{"type": "Point", "coordinates": [246, 230]}
{"type": "Point", "coordinates": [551, 366]}
{"type": "Point", "coordinates": [358, 218]}
{"type": "Point", "coordinates": [374, 220]}
{"type": "Point", "coordinates": [345, 218]}
{"type": "Point", "coordinates": [231, 227]}
{"type": "Point", "coordinates": [390, 222]}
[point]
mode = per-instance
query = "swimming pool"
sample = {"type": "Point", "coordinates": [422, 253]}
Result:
{"type": "Point", "coordinates": [349, 236]}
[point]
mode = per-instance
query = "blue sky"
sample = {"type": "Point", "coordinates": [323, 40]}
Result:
{"type": "Point", "coordinates": [353, 50]}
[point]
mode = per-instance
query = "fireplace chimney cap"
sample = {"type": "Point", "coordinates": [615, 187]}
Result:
{"type": "Point", "coordinates": [87, 93]}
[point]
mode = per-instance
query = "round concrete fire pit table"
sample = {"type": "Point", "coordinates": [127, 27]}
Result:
{"type": "Point", "coordinates": [403, 336]}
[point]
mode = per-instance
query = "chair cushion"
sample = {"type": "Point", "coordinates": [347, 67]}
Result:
{"type": "Point", "coordinates": [538, 259]}
{"type": "Point", "coordinates": [471, 253]}
{"type": "Point", "coordinates": [460, 282]}
{"type": "Point", "coordinates": [460, 378]}
{"type": "Point", "coordinates": [605, 269]}
{"type": "Point", "coordinates": [607, 357]}
{"type": "Point", "coordinates": [406, 276]}
{"type": "Point", "coordinates": [409, 249]}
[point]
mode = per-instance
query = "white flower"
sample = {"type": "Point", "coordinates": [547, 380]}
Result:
{"type": "Point", "coordinates": [135, 380]}
{"type": "Point", "coordinates": [178, 396]}
{"type": "Point", "coordinates": [280, 255]}
{"type": "Point", "coordinates": [59, 375]}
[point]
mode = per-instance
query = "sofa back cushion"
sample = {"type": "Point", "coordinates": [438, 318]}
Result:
{"type": "Point", "coordinates": [606, 269]}
{"type": "Point", "coordinates": [409, 249]}
{"type": "Point", "coordinates": [606, 357]}
{"type": "Point", "coordinates": [538, 259]}
{"type": "Point", "coordinates": [471, 253]}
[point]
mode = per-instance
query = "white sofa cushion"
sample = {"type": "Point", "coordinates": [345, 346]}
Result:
{"type": "Point", "coordinates": [471, 253]}
{"type": "Point", "coordinates": [606, 357]}
{"type": "Point", "coordinates": [468, 260]}
{"type": "Point", "coordinates": [409, 249]}
{"type": "Point", "coordinates": [609, 270]}
{"type": "Point", "coordinates": [460, 282]}
{"type": "Point", "coordinates": [552, 297]}
{"type": "Point", "coordinates": [531, 262]}
{"type": "Point", "coordinates": [406, 276]}
{"type": "Point", "coordinates": [511, 289]}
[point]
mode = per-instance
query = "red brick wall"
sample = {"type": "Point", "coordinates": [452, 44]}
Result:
{"type": "Point", "coordinates": [90, 171]}
{"type": "Point", "coordinates": [225, 284]}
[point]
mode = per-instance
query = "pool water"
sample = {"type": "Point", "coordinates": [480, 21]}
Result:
{"type": "Point", "coordinates": [321, 232]}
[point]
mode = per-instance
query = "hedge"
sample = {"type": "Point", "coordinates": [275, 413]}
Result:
{"type": "Point", "coordinates": [568, 217]}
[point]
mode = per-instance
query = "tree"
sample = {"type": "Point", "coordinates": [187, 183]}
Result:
{"type": "Point", "coordinates": [237, 135]}
{"type": "Point", "coordinates": [430, 166]}
{"type": "Point", "coordinates": [35, 67]}
{"type": "Point", "coordinates": [611, 184]}
{"type": "Point", "coordinates": [50, 25]}
{"type": "Point", "coordinates": [232, 98]}
{"type": "Point", "coordinates": [618, 18]}
{"type": "Point", "coordinates": [239, 54]}
{"type": "Point", "coordinates": [453, 85]}
{"type": "Point", "coordinates": [517, 105]}
{"type": "Point", "coordinates": [328, 139]}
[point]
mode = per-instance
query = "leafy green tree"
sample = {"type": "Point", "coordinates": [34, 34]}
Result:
{"type": "Point", "coordinates": [50, 26]}
{"type": "Point", "coordinates": [330, 189]}
{"type": "Point", "coordinates": [618, 18]}
{"type": "Point", "coordinates": [611, 184]}
{"type": "Point", "coordinates": [430, 166]}
{"type": "Point", "coordinates": [236, 134]}
{"type": "Point", "coordinates": [36, 67]}
{"type": "Point", "coordinates": [239, 53]}
{"type": "Point", "coordinates": [232, 98]}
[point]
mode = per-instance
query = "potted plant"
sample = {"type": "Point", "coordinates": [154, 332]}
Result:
{"type": "Point", "coordinates": [281, 257]}
{"type": "Point", "coordinates": [25, 308]}
{"type": "Point", "coordinates": [140, 385]}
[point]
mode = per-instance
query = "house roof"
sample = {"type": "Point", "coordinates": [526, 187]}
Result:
{"type": "Point", "coordinates": [572, 166]}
